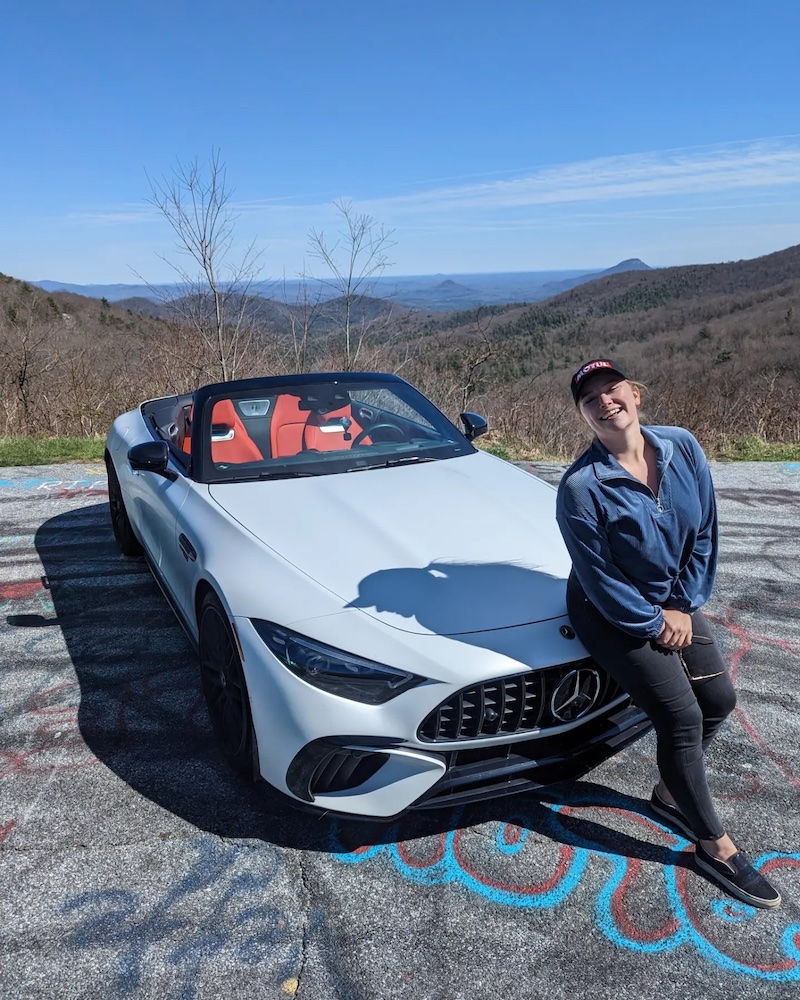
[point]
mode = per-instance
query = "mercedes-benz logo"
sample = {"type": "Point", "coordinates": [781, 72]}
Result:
{"type": "Point", "coordinates": [576, 694]}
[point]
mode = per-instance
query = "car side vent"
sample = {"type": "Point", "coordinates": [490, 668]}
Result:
{"type": "Point", "coordinates": [345, 769]}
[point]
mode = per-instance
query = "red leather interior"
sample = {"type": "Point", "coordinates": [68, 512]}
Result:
{"type": "Point", "coordinates": [328, 432]}
{"type": "Point", "coordinates": [241, 447]}
{"type": "Point", "coordinates": [292, 430]}
{"type": "Point", "coordinates": [286, 428]}
{"type": "Point", "coordinates": [186, 444]}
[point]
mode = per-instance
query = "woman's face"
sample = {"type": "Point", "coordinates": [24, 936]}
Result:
{"type": "Point", "coordinates": [610, 405]}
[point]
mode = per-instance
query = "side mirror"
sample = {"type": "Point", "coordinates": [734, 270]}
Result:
{"type": "Point", "coordinates": [151, 456]}
{"type": "Point", "coordinates": [474, 425]}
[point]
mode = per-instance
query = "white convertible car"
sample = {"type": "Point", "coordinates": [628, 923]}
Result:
{"type": "Point", "coordinates": [379, 607]}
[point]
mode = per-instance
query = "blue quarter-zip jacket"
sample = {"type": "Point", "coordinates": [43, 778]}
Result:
{"type": "Point", "coordinates": [634, 552]}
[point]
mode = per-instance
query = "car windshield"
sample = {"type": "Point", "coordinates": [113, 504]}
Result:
{"type": "Point", "coordinates": [321, 428]}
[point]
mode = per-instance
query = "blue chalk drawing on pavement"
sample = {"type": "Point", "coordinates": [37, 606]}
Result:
{"type": "Point", "coordinates": [685, 923]}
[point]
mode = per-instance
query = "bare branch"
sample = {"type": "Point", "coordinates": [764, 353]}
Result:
{"type": "Point", "coordinates": [213, 296]}
{"type": "Point", "coordinates": [355, 260]}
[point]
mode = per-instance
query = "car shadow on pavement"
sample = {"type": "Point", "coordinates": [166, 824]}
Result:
{"type": "Point", "coordinates": [142, 715]}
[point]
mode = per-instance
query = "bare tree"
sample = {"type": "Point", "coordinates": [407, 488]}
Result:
{"type": "Point", "coordinates": [473, 356]}
{"type": "Point", "coordinates": [28, 354]}
{"type": "Point", "coordinates": [214, 301]}
{"type": "Point", "coordinates": [301, 314]}
{"type": "Point", "coordinates": [355, 259]}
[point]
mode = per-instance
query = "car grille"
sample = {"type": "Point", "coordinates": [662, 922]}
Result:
{"type": "Point", "coordinates": [518, 704]}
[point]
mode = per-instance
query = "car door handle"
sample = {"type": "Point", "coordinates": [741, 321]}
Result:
{"type": "Point", "coordinates": [187, 548]}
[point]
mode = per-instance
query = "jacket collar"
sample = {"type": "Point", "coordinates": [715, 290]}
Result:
{"type": "Point", "coordinates": [607, 467]}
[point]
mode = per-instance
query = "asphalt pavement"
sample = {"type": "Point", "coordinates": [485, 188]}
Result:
{"type": "Point", "coordinates": [133, 863]}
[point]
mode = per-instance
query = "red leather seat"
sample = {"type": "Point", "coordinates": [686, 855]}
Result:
{"type": "Point", "coordinates": [333, 431]}
{"type": "Point", "coordinates": [287, 426]}
{"type": "Point", "coordinates": [239, 447]}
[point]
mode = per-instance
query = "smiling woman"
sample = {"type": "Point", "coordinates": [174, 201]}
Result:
{"type": "Point", "coordinates": [638, 516]}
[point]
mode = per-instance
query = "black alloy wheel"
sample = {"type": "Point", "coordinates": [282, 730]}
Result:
{"type": "Point", "coordinates": [128, 543]}
{"type": "Point", "coordinates": [224, 687]}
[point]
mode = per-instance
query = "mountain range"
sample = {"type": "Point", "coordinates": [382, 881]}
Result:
{"type": "Point", "coordinates": [435, 293]}
{"type": "Point", "coordinates": [717, 345]}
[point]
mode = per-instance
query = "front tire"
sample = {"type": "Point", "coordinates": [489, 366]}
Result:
{"type": "Point", "coordinates": [128, 543]}
{"type": "Point", "coordinates": [225, 688]}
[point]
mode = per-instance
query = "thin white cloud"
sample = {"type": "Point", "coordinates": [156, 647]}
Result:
{"type": "Point", "coordinates": [765, 163]}
{"type": "Point", "coordinates": [705, 172]}
{"type": "Point", "coordinates": [710, 170]}
{"type": "Point", "coordinates": [580, 216]}
{"type": "Point", "coordinates": [124, 215]}
{"type": "Point", "coordinates": [592, 211]}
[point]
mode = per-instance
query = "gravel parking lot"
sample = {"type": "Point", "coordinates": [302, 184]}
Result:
{"type": "Point", "coordinates": [135, 864]}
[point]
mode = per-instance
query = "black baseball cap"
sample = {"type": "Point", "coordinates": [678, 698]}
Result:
{"type": "Point", "coordinates": [592, 368]}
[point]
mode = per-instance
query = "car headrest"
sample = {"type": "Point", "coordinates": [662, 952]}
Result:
{"type": "Point", "coordinates": [324, 399]}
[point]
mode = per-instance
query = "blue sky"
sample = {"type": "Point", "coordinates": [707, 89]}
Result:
{"type": "Point", "coordinates": [490, 135]}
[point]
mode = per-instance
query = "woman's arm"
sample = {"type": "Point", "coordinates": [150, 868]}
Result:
{"type": "Point", "coordinates": [607, 588]}
{"type": "Point", "coordinates": [696, 579]}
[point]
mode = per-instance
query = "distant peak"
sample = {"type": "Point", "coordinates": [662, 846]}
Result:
{"type": "Point", "coordinates": [631, 264]}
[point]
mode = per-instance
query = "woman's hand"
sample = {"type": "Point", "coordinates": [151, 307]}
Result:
{"type": "Point", "coordinates": [677, 630]}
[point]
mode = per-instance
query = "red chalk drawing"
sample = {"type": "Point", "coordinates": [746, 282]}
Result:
{"type": "Point", "coordinates": [6, 828]}
{"type": "Point", "coordinates": [20, 590]}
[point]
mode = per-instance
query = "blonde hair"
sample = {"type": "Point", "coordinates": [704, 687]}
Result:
{"type": "Point", "coordinates": [641, 386]}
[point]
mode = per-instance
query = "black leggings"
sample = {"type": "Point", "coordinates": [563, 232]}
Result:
{"type": "Point", "coordinates": [686, 713]}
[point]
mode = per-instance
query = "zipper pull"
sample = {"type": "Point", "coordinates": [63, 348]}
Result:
{"type": "Point", "coordinates": [659, 508]}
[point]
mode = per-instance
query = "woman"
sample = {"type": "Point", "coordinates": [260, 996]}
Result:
{"type": "Point", "coordinates": [638, 516]}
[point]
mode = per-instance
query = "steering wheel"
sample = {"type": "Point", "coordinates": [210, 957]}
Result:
{"type": "Point", "coordinates": [369, 431]}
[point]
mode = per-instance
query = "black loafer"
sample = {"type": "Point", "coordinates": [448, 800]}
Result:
{"type": "Point", "coordinates": [738, 877]}
{"type": "Point", "coordinates": [672, 815]}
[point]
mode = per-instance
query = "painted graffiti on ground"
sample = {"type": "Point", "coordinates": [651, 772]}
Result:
{"type": "Point", "coordinates": [461, 856]}
{"type": "Point", "coordinates": [25, 590]}
{"type": "Point", "coordinates": [53, 742]}
{"type": "Point", "coordinates": [639, 905]}
{"type": "Point", "coordinates": [6, 828]}
{"type": "Point", "coordinates": [561, 855]}
{"type": "Point", "coordinates": [746, 641]}
{"type": "Point", "coordinates": [94, 483]}
{"type": "Point", "coordinates": [215, 912]}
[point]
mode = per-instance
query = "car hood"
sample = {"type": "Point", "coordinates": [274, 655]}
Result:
{"type": "Point", "coordinates": [461, 545]}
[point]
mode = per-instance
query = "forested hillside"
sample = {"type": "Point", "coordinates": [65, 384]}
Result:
{"type": "Point", "coordinates": [717, 345]}
{"type": "Point", "coordinates": [67, 362]}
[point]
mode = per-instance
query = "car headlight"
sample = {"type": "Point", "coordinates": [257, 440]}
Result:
{"type": "Point", "coordinates": [333, 670]}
